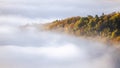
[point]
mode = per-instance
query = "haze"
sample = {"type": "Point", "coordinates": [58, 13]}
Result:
{"type": "Point", "coordinates": [32, 48]}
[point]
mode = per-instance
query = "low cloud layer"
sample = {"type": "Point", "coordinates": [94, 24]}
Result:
{"type": "Point", "coordinates": [39, 49]}
{"type": "Point", "coordinates": [16, 20]}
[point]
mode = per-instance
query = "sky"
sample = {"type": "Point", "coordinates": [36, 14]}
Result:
{"type": "Point", "coordinates": [45, 11]}
{"type": "Point", "coordinates": [57, 8]}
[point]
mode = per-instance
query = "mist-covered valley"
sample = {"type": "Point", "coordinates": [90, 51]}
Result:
{"type": "Point", "coordinates": [32, 48]}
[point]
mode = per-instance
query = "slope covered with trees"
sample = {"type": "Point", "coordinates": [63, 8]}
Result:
{"type": "Point", "coordinates": [107, 26]}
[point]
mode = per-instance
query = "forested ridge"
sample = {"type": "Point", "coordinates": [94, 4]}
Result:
{"type": "Point", "coordinates": [106, 25]}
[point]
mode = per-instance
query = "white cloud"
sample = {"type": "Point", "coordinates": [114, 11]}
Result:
{"type": "Point", "coordinates": [32, 49]}
{"type": "Point", "coordinates": [21, 20]}
{"type": "Point", "coordinates": [6, 29]}
{"type": "Point", "coordinates": [60, 52]}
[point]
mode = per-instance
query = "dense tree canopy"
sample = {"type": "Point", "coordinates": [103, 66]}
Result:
{"type": "Point", "coordinates": [104, 26]}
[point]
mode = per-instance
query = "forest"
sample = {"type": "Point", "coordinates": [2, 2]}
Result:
{"type": "Point", "coordinates": [104, 26]}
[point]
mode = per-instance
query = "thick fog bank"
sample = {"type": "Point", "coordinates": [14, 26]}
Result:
{"type": "Point", "coordinates": [39, 49]}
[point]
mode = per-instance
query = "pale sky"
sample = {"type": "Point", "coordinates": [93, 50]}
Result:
{"type": "Point", "coordinates": [57, 8]}
{"type": "Point", "coordinates": [44, 11]}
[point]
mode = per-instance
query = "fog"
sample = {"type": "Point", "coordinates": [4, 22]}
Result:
{"type": "Point", "coordinates": [32, 48]}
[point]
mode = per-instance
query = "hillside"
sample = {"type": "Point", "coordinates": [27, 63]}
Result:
{"type": "Point", "coordinates": [105, 26]}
